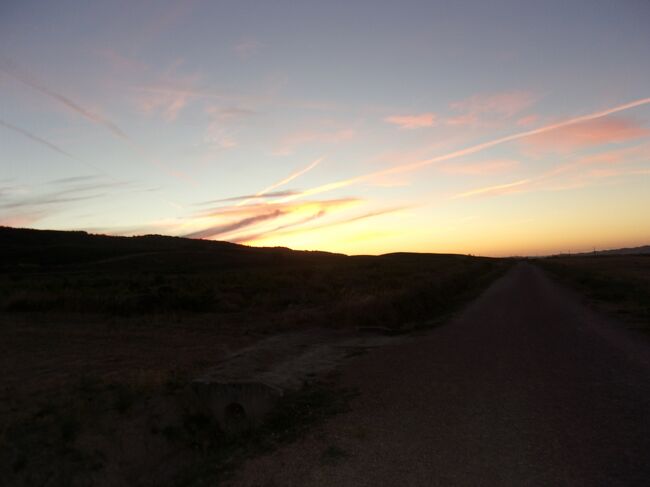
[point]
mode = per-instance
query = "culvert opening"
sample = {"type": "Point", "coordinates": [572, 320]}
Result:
{"type": "Point", "coordinates": [235, 416]}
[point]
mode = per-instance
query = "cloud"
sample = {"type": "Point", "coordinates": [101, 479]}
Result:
{"type": "Point", "coordinates": [479, 168]}
{"type": "Point", "coordinates": [496, 190]}
{"type": "Point", "coordinates": [578, 173]}
{"type": "Point", "coordinates": [587, 134]}
{"type": "Point", "coordinates": [70, 104]}
{"type": "Point", "coordinates": [364, 216]}
{"type": "Point", "coordinates": [249, 197]}
{"type": "Point", "coordinates": [25, 207]}
{"type": "Point", "coordinates": [218, 230]}
{"type": "Point", "coordinates": [289, 144]}
{"type": "Point", "coordinates": [286, 180]}
{"type": "Point", "coordinates": [275, 230]}
{"type": "Point", "coordinates": [224, 124]}
{"type": "Point", "coordinates": [73, 179]}
{"type": "Point", "coordinates": [230, 220]}
{"type": "Point", "coordinates": [412, 121]}
{"type": "Point", "coordinates": [414, 166]}
{"type": "Point", "coordinates": [172, 96]}
{"type": "Point", "coordinates": [35, 138]}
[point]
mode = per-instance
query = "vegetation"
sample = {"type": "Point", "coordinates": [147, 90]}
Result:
{"type": "Point", "coordinates": [617, 284]}
{"type": "Point", "coordinates": [103, 334]}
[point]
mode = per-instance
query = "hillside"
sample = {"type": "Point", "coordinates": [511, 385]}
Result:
{"type": "Point", "coordinates": [28, 249]}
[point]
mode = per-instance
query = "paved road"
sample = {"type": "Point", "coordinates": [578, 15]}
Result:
{"type": "Point", "coordinates": [526, 387]}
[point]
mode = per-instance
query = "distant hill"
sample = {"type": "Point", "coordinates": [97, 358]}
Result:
{"type": "Point", "coordinates": [644, 249]}
{"type": "Point", "coordinates": [26, 249]}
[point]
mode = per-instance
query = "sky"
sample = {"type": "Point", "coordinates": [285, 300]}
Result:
{"type": "Point", "coordinates": [362, 127]}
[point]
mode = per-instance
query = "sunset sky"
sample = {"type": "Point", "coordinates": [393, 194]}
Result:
{"type": "Point", "coordinates": [363, 127]}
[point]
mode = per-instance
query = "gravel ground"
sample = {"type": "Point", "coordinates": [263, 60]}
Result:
{"type": "Point", "coordinates": [526, 387]}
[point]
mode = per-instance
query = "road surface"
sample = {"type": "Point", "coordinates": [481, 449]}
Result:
{"type": "Point", "coordinates": [526, 387]}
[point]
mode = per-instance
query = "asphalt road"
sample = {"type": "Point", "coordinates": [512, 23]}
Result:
{"type": "Point", "coordinates": [526, 387]}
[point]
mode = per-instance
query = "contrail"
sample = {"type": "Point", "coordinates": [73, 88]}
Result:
{"type": "Point", "coordinates": [492, 189]}
{"type": "Point", "coordinates": [93, 117]}
{"type": "Point", "coordinates": [284, 181]}
{"type": "Point", "coordinates": [35, 138]}
{"type": "Point", "coordinates": [469, 150]}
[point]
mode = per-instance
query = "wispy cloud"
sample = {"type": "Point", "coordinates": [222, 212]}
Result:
{"type": "Point", "coordinates": [30, 205]}
{"type": "Point", "coordinates": [68, 103]}
{"type": "Point", "coordinates": [578, 173]}
{"type": "Point", "coordinates": [412, 121]}
{"type": "Point", "coordinates": [498, 189]}
{"type": "Point", "coordinates": [73, 179]}
{"type": "Point", "coordinates": [281, 232]}
{"type": "Point", "coordinates": [414, 166]}
{"type": "Point", "coordinates": [36, 138]}
{"type": "Point", "coordinates": [224, 125]}
{"type": "Point", "coordinates": [286, 180]}
{"type": "Point", "coordinates": [167, 103]}
{"type": "Point", "coordinates": [249, 197]}
{"type": "Point", "coordinates": [588, 133]}
{"type": "Point", "coordinates": [225, 223]}
{"type": "Point", "coordinates": [217, 230]}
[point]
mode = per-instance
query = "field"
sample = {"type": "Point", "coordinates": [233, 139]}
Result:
{"type": "Point", "coordinates": [616, 284]}
{"type": "Point", "coordinates": [100, 337]}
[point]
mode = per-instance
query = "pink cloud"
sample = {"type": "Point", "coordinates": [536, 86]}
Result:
{"type": "Point", "coordinates": [479, 168]}
{"type": "Point", "coordinates": [587, 134]}
{"type": "Point", "coordinates": [412, 121]}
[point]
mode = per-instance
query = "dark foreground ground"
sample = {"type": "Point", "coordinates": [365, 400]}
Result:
{"type": "Point", "coordinates": [527, 387]}
{"type": "Point", "coordinates": [100, 338]}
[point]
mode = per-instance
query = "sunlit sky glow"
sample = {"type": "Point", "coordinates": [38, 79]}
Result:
{"type": "Point", "coordinates": [493, 128]}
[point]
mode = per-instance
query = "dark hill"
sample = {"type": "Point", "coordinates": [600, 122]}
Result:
{"type": "Point", "coordinates": [50, 250]}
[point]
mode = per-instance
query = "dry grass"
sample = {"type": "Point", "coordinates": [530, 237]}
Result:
{"type": "Point", "coordinates": [616, 284]}
{"type": "Point", "coordinates": [98, 345]}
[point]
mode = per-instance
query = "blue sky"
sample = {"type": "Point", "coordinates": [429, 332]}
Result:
{"type": "Point", "coordinates": [362, 127]}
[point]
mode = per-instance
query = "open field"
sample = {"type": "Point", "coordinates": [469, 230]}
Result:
{"type": "Point", "coordinates": [101, 335]}
{"type": "Point", "coordinates": [616, 284]}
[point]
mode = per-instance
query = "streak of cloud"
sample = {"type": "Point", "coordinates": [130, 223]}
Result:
{"type": "Point", "coordinates": [498, 189]}
{"type": "Point", "coordinates": [363, 216]}
{"type": "Point", "coordinates": [284, 181]}
{"type": "Point", "coordinates": [269, 195]}
{"type": "Point", "coordinates": [402, 168]}
{"type": "Point", "coordinates": [35, 138]}
{"type": "Point", "coordinates": [218, 230]}
{"type": "Point", "coordinates": [70, 104]}
{"type": "Point", "coordinates": [92, 117]}
{"type": "Point", "coordinates": [590, 133]}
{"type": "Point", "coordinates": [260, 235]}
